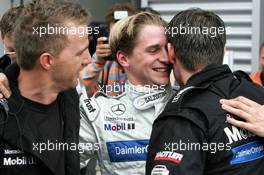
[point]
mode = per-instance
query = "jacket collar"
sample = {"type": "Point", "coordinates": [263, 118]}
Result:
{"type": "Point", "coordinates": [208, 74]}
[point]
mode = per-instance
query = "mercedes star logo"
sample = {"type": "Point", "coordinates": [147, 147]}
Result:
{"type": "Point", "coordinates": [118, 109]}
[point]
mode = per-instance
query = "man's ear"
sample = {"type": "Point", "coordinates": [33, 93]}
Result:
{"type": "Point", "coordinates": [122, 59]}
{"type": "Point", "coordinates": [46, 60]}
{"type": "Point", "coordinates": [171, 53]}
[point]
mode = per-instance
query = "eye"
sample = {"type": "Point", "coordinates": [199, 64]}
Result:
{"type": "Point", "coordinates": [80, 53]}
{"type": "Point", "coordinates": [153, 49]}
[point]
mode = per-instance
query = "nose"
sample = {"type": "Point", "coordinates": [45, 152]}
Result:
{"type": "Point", "coordinates": [86, 58]}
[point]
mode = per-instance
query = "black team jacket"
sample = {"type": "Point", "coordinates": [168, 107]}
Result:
{"type": "Point", "coordinates": [20, 134]}
{"type": "Point", "coordinates": [191, 136]}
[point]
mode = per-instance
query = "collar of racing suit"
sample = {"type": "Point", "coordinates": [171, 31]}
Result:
{"type": "Point", "coordinates": [144, 97]}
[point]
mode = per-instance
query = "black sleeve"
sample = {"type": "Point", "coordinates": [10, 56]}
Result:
{"type": "Point", "coordinates": [3, 118]}
{"type": "Point", "coordinates": [2, 122]}
{"type": "Point", "coordinates": [176, 147]}
{"type": "Point", "coordinates": [3, 114]}
{"type": "Point", "coordinates": [4, 62]}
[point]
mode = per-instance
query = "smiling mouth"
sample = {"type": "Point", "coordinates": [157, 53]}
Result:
{"type": "Point", "coordinates": [161, 69]}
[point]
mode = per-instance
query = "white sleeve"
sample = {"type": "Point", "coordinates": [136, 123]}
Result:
{"type": "Point", "coordinates": [87, 141]}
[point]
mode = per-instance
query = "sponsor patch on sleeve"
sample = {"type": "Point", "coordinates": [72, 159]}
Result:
{"type": "Point", "coordinates": [247, 152]}
{"type": "Point", "coordinates": [169, 156]}
{"type": "Point", "coordinates": [160, 170]}
{"type": "Point", "coordinates": [88, 106]}
{"type": "Point", "coordinates": [125, 151]}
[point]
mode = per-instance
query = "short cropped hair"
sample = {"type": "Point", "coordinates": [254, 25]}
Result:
{"type": "Point", "coordinates": [196, 42]}
{"type": "Point", "coordinates": [124, 33]}
{"type": "Point", "coordinates": [29, 45]}
{"type": "Point", "coordinates": [9, 19]}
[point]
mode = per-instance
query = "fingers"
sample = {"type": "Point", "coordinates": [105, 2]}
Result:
{"type": "Point", "coordinates": [233, 103]}
{"type": "Point", "coordinates": [101, 40]}
{"type": "Point", "coordinates": [250, 111]}
{"type": "Point", "coordinates": [102, 50]}
{"type": "Point", "coordinates": [4, 91]}
{"type": "Point", "coordinates": [102, 47]}
{"type": "Point", "coordinates": [102, 53]}
{"type": "Point", "coordinates": [242, 114]}
{"type": "Point", "coordinates": [239, 124]}
{"type": "Point", "coordinates": [253, 128]}
{"type": "Point", "coordinates": [4, 86]}
{"type": "Point", "coordinates": [247, 101]}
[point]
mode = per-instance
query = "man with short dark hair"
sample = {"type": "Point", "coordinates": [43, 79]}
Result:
{"type": "Point", "coordinates": [7, 26]}
{"type": "Point", "coordinates": [191, 136]}
{"type": "Point", "coordinates": [39, 123]}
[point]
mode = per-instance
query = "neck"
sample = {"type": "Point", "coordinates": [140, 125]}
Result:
{"type": "Point", "coordinates": [41, 91]}
{"type": "Point", "coordinates": [191, 73]}
{"type": "Point", "coordinates": [185, 75]}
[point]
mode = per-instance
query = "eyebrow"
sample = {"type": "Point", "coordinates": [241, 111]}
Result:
{"type": "Point", "coordinates": [153, 46]}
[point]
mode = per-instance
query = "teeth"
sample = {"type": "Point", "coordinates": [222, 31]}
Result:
{"type": "Point", "coordinates": [161, 69]}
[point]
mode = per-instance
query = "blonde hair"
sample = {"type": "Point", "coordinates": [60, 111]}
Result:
{"type": "Point", "coordinates": [124, 33]}
{"type": "Point", "coordinates": [30, 46]}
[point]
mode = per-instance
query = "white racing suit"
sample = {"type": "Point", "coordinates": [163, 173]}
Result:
{"type": "Point", "coordinates": [117, 129]}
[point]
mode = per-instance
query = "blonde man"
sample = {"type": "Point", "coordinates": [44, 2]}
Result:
{"type": "Point", "coordinates": [120, 127]}
{"type": "Point", "coordinates": [39, 123]}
